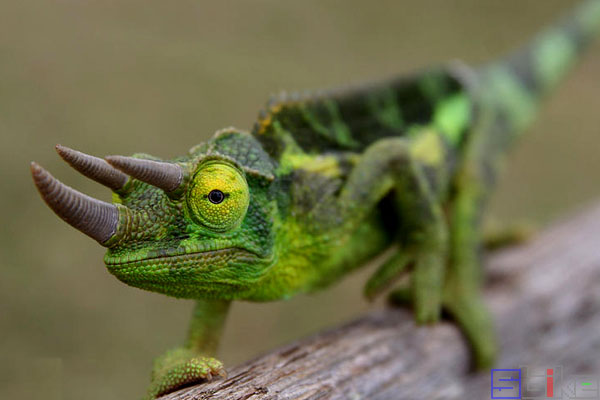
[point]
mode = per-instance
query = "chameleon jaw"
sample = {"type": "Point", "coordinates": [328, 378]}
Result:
{"type": "Point", "coordinates": [183, 275]}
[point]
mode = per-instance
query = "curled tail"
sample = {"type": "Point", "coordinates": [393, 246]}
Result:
{"type": "Point", "coordinates": [515, 85]}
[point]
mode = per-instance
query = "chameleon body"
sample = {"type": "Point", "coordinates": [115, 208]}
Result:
{"type": "Point", "coordinates": [320, 186]}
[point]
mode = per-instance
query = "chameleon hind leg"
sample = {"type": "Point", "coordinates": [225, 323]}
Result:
{"type": "Point", "coordinates": [194, 361]}
{"type": "Point", "coordinates": [387, 167]}
{"type": "Point", "coordinates": [462, 289]}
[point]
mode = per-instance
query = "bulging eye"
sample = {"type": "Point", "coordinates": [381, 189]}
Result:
{"type": "Point", "coordinates": [218, 196]}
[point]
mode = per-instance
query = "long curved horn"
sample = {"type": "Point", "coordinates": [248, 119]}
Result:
{"type": "Point", "coordinates": [95, 218]}
{"type": "Point", "coordinates": [93, 167]}
{"type": "Point", "coordinates": [164, 175]}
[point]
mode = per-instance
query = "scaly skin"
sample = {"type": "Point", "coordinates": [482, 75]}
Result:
{"type": "Point", "coordinates": [323, 184]}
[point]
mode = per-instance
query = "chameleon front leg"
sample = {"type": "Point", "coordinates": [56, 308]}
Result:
{"type": "Point", "coordinates": [387, 167]}
{"type": "Point", "coordinates": [194, 361]}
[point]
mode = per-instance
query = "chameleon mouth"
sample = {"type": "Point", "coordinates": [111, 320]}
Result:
{"type": "Point", "coordinates": [163, 259]}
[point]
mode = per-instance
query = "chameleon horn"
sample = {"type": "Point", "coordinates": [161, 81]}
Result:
{"type": "Point", "coordinates": [93, 167]}
{"type": "Point", "coordinates": [95, 218]}
{"type": "Point", "coordinates": [164, 175]}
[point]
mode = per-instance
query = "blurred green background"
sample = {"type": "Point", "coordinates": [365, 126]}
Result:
{"type": "Point", "coordinates": [118, 77]}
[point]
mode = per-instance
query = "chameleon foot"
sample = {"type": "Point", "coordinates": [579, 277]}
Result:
{"type": "Point", "coordinates": [425, 314]}
{"type": "Point", "coordinates": [471, 315]}
{"type": "Point", "coordinates": [182, 367]}
{"type": "Point", "coordinates": [476, 324]}
{"type": "Point", "coordinates": [497, 236]}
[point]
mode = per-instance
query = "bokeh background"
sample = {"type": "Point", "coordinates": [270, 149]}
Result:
{"type": "Point", "coordinates": [118, 77]}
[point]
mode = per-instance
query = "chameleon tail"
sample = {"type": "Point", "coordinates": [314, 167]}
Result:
{"type": "Point", "coordinates": [515, 85]}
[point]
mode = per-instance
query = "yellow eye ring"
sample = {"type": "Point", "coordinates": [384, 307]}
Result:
{"type": "Point", "coordinates": [218, 196]}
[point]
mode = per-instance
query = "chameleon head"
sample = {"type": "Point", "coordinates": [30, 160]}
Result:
{"type": "Point", "coordinates": [199, 226]}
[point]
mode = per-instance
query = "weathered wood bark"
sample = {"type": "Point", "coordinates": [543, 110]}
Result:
{"type": "Point", "coordinates": [545, 296]}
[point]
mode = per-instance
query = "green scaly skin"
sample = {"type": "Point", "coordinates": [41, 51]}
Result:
{"type": "Point", "coordinates": [323, 184]}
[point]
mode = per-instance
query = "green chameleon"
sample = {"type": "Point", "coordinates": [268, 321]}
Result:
{"type": "Point", "coordinates": [322, 185]}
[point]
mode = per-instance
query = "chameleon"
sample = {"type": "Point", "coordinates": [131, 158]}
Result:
{"type": "Point", "coordinates": [321, 185]}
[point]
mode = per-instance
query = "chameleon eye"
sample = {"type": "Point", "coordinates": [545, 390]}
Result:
{"type": "Point", "coordinates": [218, 196]}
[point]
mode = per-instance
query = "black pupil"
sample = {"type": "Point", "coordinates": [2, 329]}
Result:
{"type": "Point", "coordinates": [216, 196]}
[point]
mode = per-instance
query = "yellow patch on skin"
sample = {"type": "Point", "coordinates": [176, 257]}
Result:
{"type": "Point", "coordinates": [274, 109]}
{"type": "Point", "coordinates": [428, 148]}
{"type": "Point", "coordinates": [230, 211]}
{"type": "Point", "coordinates": [325, 165]}
{"type": "Point", "coordinates": [294, 158]}
{"type": "Point", "coordinates": [263, 123]}
{"type": "Point", "coordinates": [116, 198]}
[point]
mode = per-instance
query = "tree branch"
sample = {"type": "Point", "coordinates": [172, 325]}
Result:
{"type": "Point", "coordinates": [545, 296]}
